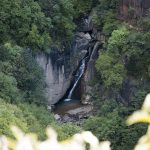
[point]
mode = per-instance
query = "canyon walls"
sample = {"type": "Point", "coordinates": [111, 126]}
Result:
{"type": "Point", "coordinates": [133, 8]}
{"type": "Point", "coordinates": [59, 67]}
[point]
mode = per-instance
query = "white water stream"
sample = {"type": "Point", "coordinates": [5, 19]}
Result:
{"type": "Point", "coordinates": [78, 75]}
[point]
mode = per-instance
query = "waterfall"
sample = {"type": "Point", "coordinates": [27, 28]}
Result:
{"type": "Point", "coordinates": [78, 75]}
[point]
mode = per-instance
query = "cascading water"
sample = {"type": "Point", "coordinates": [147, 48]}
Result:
{"type": "Point", "coordinates": [84, 40]}
{"type": "Point", "coordinates": [78, 76]}
{"type": "Point", "coordinates": [70, 103]}
{"type": "Point", "coordinates": [72, 100]}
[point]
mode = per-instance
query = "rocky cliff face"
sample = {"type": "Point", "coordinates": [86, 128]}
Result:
{"type": "Point", "coordinates": [59, 67]}
{"type": "Point", "coordinates": [57, 73]}
{"type": "Point", "coordinates": [89, 74]}
{"type": "Point", "coordinates": [133, 8]}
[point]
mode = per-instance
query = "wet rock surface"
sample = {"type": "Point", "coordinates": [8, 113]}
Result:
{"type": "Point", "coordinates": [58, 75]}
{"type": "Point", "coordinates": [59, 67]}
{"type": "Point", "coordinates": [75, 115]}
{"type": "Point", "coordinates": [60, 70]}
{"type": "Point", "coordinates": [89, 75]}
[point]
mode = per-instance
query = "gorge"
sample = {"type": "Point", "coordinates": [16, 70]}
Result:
{"type": "Point", "coordinates": [74, 65]}
{"type": "Point", "coordinates": [66, 72]}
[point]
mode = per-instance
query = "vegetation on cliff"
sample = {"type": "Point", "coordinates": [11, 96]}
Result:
{"type": "Point", "coordinates": [27, 27]}
{"type": "Point", "coordinates": [122, 76]}
{"type": "Point", "coordinates": [123, 67]}
{"type": "Point", "coordinates": [81, 141]}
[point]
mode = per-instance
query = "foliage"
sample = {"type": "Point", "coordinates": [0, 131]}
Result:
{"type": "Point", "coordinates": [109, 124]}
{"type": "Point", "coordinates": [62, 14]}
{"type": "Point", "coordinates": [21, 77]}
{"type": "Point", "coordinates": [110, 23]}
{"type": "Point", "coordinates": [117, 40]}
{"type": "Point", "coordinates": [126, 55]}
{"type": "Point", "coordinates": [103, 12]}
{"type": "Point", "coordinates": [30, 79]}
{"type": "Point", "coordinates": [39, 115]}
{"type": "Point", "coordinates": [25, 115]}
{"type": "Point", "coordinates": [19, 18]}
{"type": "Point", "coordinates": [66, 130]}
{"type": "Point", "coordinates": [80, 141]}
{"type": "Point", "coordinates": [83, 6]}
{"type": "Point", "coordinates": [112, 72]}
{"type": "Point", "coordinates": [62, 18]}
{"type": "Point", "coordinates": [8, 90]}
{"type": "Point", "coordinates": [31, 25]}
{"type": "Point", "coordinates": [11, 114]}
{"type": "Point", "coordinates": [36, 24]}
{"type": "Point", "coordinates": [142, 115]}
{"type": "Point", "coordinates": [138, 55]}
{"type": "Point", "coordinates": [8, 84]}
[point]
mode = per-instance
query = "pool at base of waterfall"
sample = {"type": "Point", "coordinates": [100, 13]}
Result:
{"type": "Point", "coordinates": [66, 105]}
{"type": "Point", "coordinates": [70, 102]}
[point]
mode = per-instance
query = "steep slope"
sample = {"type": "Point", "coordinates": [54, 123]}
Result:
{"type": "Point", "coordinates": [133, 8]}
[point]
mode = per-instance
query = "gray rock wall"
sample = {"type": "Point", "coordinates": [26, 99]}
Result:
{"type": "Point", "coordinates": [137, 7]}
{"type": "Point", "coordinates": [89, 74]}
{"type": "Point", "coordinates": [57, 76]}
{"type": "Point", "coordinates": [58, 68]}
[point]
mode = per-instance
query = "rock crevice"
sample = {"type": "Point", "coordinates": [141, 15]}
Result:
{"type": "Point", "coordinates": [59, 67]}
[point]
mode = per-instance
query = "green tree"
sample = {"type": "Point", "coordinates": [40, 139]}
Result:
{"type": "Point", "coordinates": [112, 72]}
{"type": "Point", "coordinates": [17, 19]}
{"type": "Point", "coordinates": [110, 23]}
{"type": "Point", "coordinates": [20, 75]}
{"type": "Point", "coordinates": [8, 88]}
{"type": "Point", "coordinates": [11, 115]}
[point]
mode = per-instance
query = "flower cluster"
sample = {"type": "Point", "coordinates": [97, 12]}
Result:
{"type": "Point", "coordinates": [30, 142]}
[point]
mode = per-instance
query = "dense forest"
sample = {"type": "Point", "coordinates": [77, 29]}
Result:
{"type": "Point", "coordinates": [30, 26]}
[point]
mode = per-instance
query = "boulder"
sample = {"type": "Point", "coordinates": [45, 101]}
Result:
{"type": "Point", "coordinates": [57, 117]}
{"type": "Point", "coordinates": [66, 118]}
{"type": "Point", "coordinates": [49, 108]}
{"type": "Point", "coordinates": [84, 35]}
{"type": "Point", "coordinates": [87, 36]}
{"type": "Point", "coordinates": [76, 115]}
{"type": "Point", "coordinates": [86, 99]}
{"type": "Point", "coordinates": [82, 111]}
{"type": "Point", "coordinates": [85, 24]}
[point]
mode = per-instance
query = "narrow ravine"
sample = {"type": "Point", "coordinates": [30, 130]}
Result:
{"type": "Point", "coordinates": [71, 102]}
{"type": "Point", "coordinates": [67, 74]}
{"type": "Point", "coordinates": [70, 108]}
